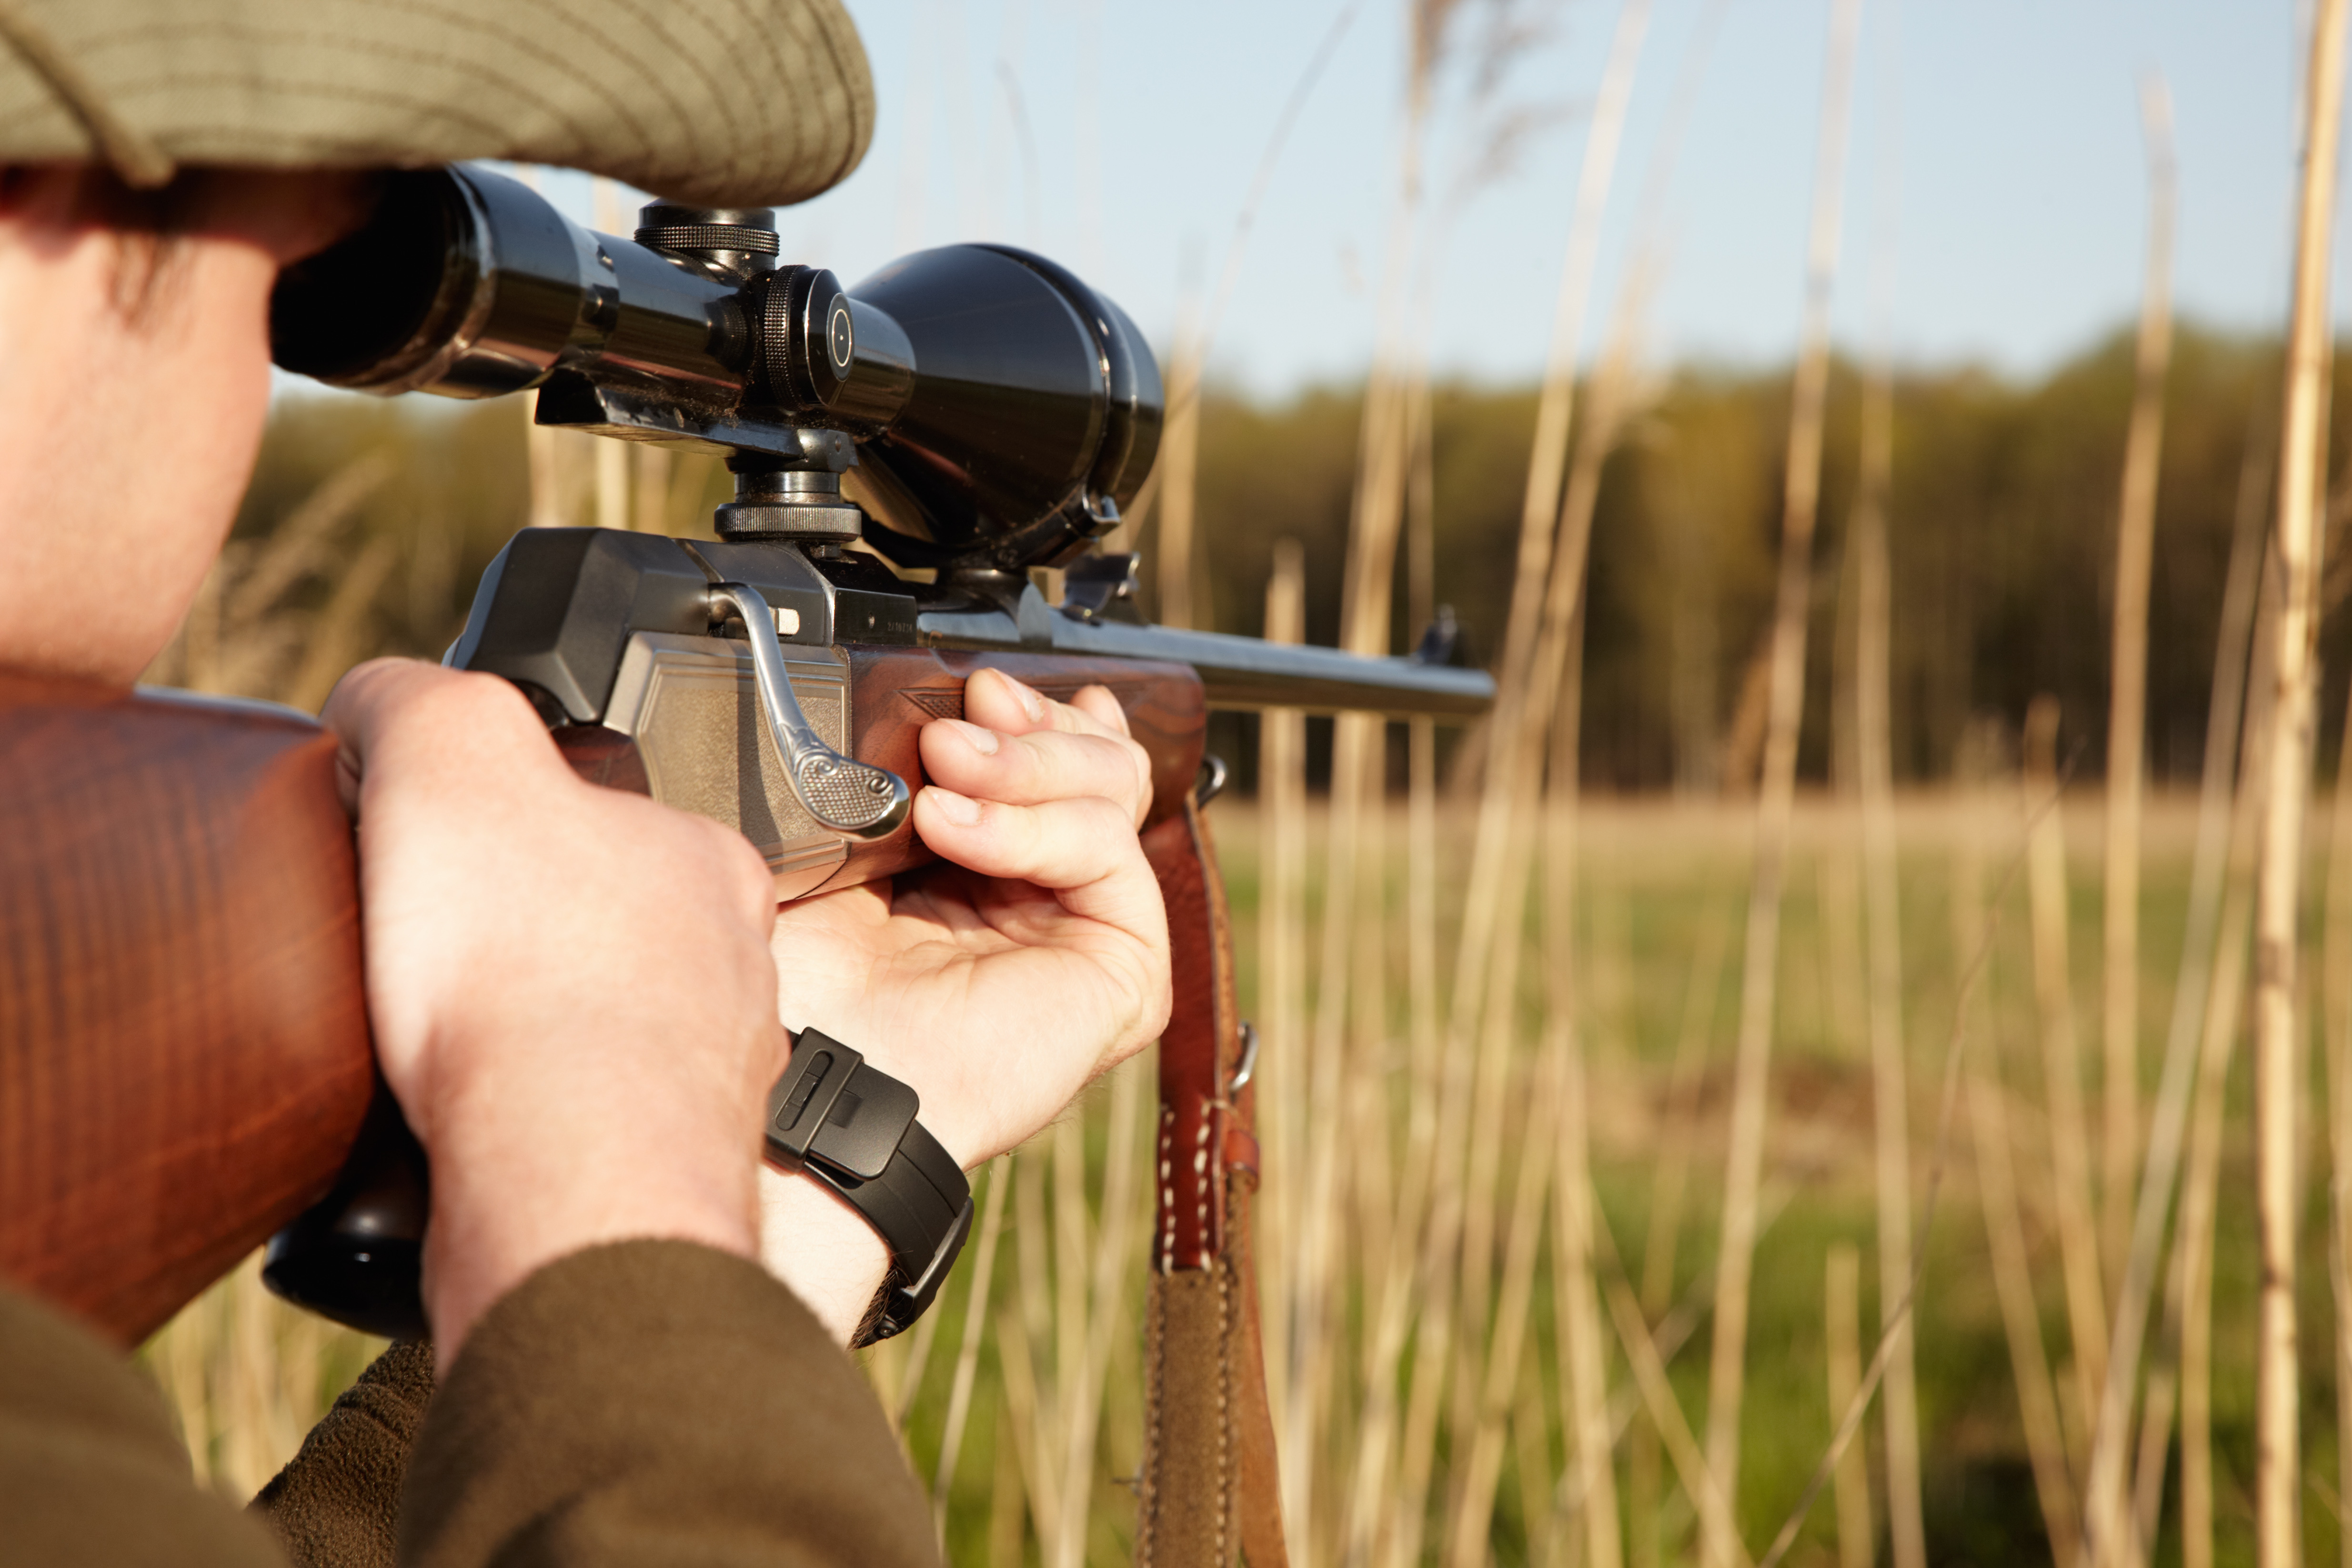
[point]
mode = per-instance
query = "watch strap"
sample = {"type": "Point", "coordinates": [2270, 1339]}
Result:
{"type": "Point", "coordinates": [853, 1128]}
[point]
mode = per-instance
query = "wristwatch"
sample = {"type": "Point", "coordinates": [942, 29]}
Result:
{"type": "Point", "coordinates": [853, 1128]}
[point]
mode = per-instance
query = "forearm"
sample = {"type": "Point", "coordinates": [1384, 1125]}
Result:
{"type": "Point", "coordinates": [826, 1250]}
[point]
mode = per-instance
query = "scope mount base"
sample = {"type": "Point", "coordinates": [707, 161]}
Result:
{"type": "Point", "coordinates": [792, 499]}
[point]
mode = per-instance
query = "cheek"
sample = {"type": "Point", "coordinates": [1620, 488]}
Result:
{"type": "Point", "coordinates": [211, 366]}
{"type": "Point", "coordinates": [206, 369]}
{"type": "Point", "coordinates": [122, 443]}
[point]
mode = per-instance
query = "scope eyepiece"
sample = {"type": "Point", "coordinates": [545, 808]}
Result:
{"type": "Point", "coordinates": [1002, 411]}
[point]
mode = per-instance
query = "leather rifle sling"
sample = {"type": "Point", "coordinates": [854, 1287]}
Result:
{"type": "Point", "coordinates": [1209, 1495]}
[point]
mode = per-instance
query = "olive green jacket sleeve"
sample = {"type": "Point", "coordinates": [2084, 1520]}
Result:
{"type": "Point", "coordinates": [90, 1471]}
{"type": "Point", "coordinates": [650, 1403]}
{"type": "Point", "coordinates": [337, 1502]}
{"type": "Point", "coordinates": [658, 1402]}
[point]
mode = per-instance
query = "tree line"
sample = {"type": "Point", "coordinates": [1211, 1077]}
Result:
{"type": "Point", "coordinates": [2002, 519]}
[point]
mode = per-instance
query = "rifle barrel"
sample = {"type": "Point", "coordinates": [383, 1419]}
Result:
{"type": "Point", "coordinates": [1238, 672]}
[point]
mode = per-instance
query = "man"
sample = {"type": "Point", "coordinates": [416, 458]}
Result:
{"type": "Point", "coordinates": [575, 993]}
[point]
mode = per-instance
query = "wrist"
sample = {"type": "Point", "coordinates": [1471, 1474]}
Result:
{"type": "Point", "coordinates": [508, 1197]}
{"type": "Point", "coordinates": [820, 1246]}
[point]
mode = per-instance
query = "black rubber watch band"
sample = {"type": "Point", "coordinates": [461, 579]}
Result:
{"type": "Point", "coordinates": [853, 1128]}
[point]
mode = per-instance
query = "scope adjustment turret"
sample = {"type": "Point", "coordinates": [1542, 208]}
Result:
{"type": "Point", "coordinates": [735, 240]}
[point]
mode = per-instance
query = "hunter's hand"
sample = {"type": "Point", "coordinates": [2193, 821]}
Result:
{"type": "Point", "coordinates": [571, 987]}
{"type": "Point", "coordinates": [1001, 982]}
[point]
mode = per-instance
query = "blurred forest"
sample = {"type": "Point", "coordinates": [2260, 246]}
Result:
{"type": "Point", "coordinates": [2002, 524]}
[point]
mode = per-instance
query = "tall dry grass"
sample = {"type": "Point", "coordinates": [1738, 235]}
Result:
{"type": "Point", "coordinates": [2128, 709]}
{"type": "Point", "coordinates": [1726, 1379]}
{"type": "Point", "coordinates": [1842, 1312]}
{"type": "Point", "coordinates": [2303, 476]}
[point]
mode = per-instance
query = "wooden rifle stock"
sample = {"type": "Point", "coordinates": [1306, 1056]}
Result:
{"type": "Point", "coordinates": [184, 1057]}
{"type": "Point", "coordinates": [184, 1041]}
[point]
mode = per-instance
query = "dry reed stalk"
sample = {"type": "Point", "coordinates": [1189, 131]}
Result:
{"type": "Point", "coordinates": [545, 458]}
{"type": "Point", "coordinates": [1955, 1061]}
{"type": "Point", "coordinates": [1362, 1508]}
{"type": "Point", "coordinates": [2147, 1469]}
{"type": "Point", "coordinates": [1025, 1410]}
{"type": "Point", "coordinates": [2199, 1191]}
{"type": "Point", "coordinates": [2128, 705]}
{"type": "Point", "coordinates": [1421, 995]}
{"type": "Point", "coordinates": [178, 1356]}
{"type": "Point", "coordinates": [1667, 1192]}
{"type": "Point", "coordinates": [1029, 1389]}
{"type": "Point", "coordinates": [2303, 470]}
{"type": "Point", "coordinates": [1005, 1497]}
{"type": "Point", "coordinates": [1531, 1468]}
{"type": "Point", "coordinates": [1439, 1347]}
{"type": "Point", "coordinates": [1553, 704]}
{"type": "Point", "coordinates": [1726, 1381]}
{"type": "Point", "coordinates": [1428, 1073]}
{"type": "Point", "coordinates": [269, 1348]}
{"type": "Point", "coordinates": [1073, 1246]}
{"type": "Point", "coordinates": [1882, 898]}
{"type": "Point", "coordinates": [339, 632]}
{"type": "Point", "coordinates": [1115, 1251]}
{"type": "Point", "coordinates": [1177, 471]}
{"type": "Point", "coordinates": [2336, 975]}
{"type": "Point", "coordinates": [2218, 848]}
{"type": "Point", "coordinates": [1347, 995]}
{"type": "Point", "coordinates": [302, 544]}
{"type": "Point", "coordinates": [239, 633]}
{"type": "Point", "coordinates": [1574, 1207]}
{"type": "Point", "coordinates": [2181, 1089]}
{"type": "Point", "coordinates": [1658, 1398]}
{"type": "Point", "coordinates": [1195, 345]}
{"type": "Point", "coordinates": [1837, 906]}
{"type": "Point", "coordinates": [1490, 908]}
{"type": "Point", "coordinates": [1316, 1297]}
{"type": "Point", "coordinates": [1480, 1458]}
{"type": "Point", "coordinates": [1842, 1310]}
{"type": "Point", "coordinates": [1583, 1348]}
{"type": "Point", "coordinates": [975, 1323]}
{"type": "Point", "coordinates": [2105, 1520]}
{"type": "Point", "coordinates": [1555, 1134]}
{"type": "Point", "coordinates": [651, 486]}
{"type": "Point", "coordinates": [1674, 1330]}
{"type": "Point", "coordinates": [2061, 1066]}
{"type": "Point", "coordinates": [1282, 963]}
{"type": "Point", "coordinates": [612, 485]}
{"type": "Point", "coordinates": [910, 1372]}
{"type": "Point", "coordinates": [2012, 1274]}
{"type": "Point", "coordinates": [1551, 719]}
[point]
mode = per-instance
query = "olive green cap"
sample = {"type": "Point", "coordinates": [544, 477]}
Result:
{"type": "Point", "coordinates": [715, 102]}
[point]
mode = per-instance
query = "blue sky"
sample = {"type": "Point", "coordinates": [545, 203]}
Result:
{"type": "Point", "coordinates": [1995, 160]}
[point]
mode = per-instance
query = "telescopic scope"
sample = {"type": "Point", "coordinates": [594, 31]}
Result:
{"type": "Point", "coordinates": [999, 412]}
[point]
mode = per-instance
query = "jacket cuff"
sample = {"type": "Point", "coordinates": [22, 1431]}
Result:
{"type": "Point", "coordinates": [658, 1401]}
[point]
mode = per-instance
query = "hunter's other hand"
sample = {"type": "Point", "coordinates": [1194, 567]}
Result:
{"type": "Point", "coordinates": [571, 987]}
{"type": "Point", "coordinates": [1000, 982]}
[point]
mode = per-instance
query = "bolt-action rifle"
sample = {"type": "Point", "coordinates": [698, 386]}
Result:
{"type": "Point", "coordinates": [185, 1062]}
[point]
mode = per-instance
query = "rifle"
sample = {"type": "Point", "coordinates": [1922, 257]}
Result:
{"type": "Point", "coordinates": [184, 1064]}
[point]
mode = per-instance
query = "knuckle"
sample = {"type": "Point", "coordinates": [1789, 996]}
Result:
{"type": "Point", "coordinates": [736, 870]}
{"type": "Point", "coordinates": [483, 704]}
{"type": "Point", "coordinates": [1103, 817]}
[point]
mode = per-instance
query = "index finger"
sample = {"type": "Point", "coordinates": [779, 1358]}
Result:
{"type": "Point", "coordinates": [1003, 703]}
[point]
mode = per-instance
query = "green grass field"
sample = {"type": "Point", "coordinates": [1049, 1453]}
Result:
{"type": "Point", "coordinates": [247, 1376]}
